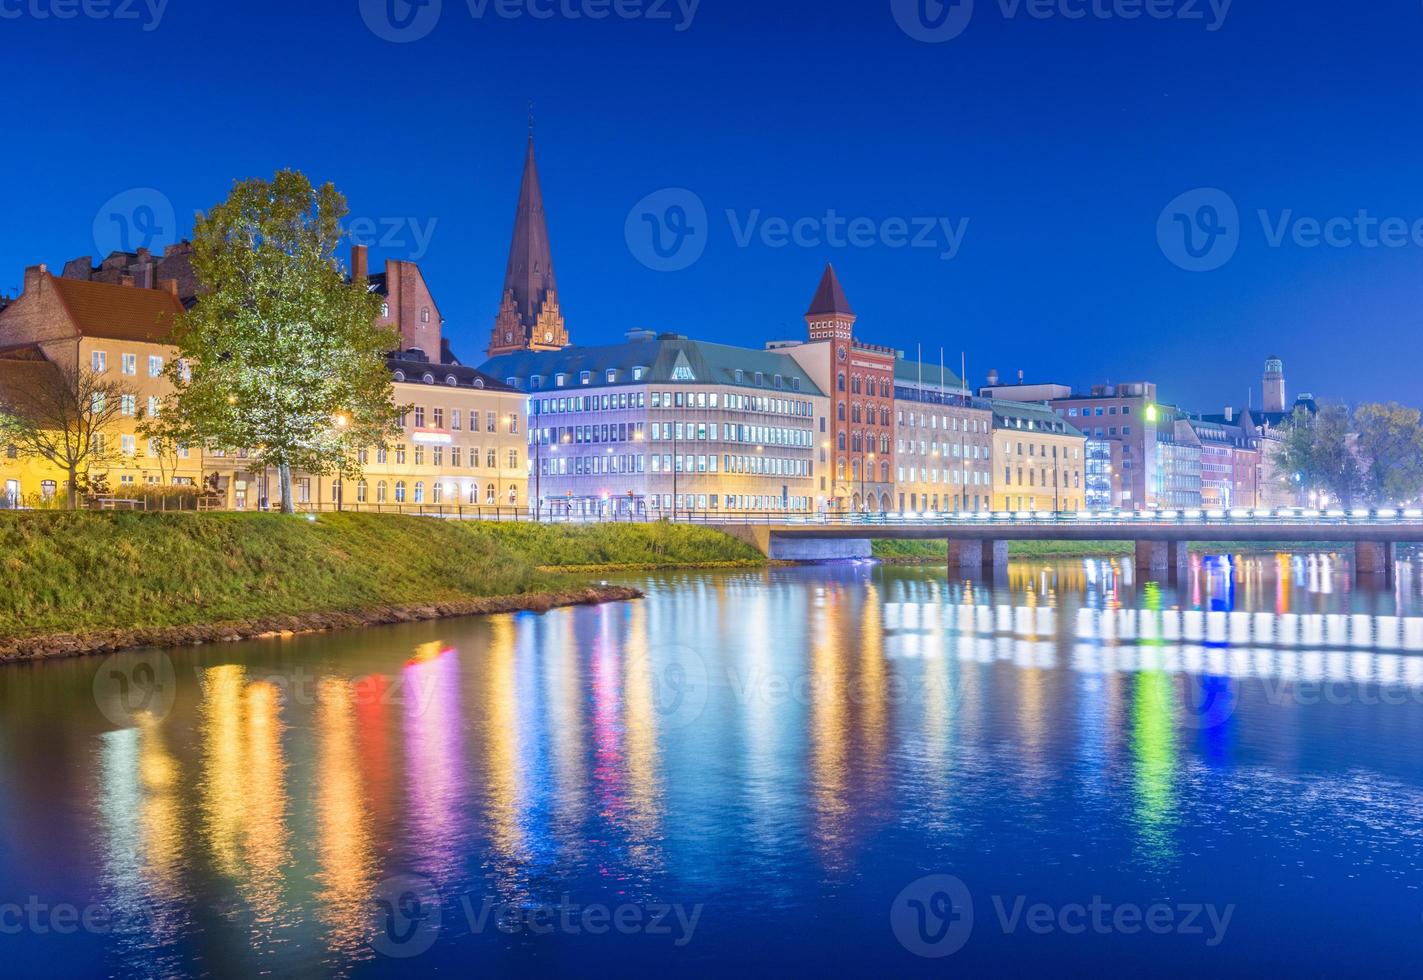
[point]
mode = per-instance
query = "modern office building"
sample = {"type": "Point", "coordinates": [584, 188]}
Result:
{"type": "Point", "coordinates": [663, 425]}
{"type": "Point", "coordinates": [1039, 460]}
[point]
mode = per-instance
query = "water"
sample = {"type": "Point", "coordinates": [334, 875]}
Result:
{"type": "Point", "coordinates": [752, 772]}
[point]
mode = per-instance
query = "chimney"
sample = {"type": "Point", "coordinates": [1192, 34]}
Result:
{"type": "Point", "coordinates": [993, 378]}
{"type": "Point", "coordinates": [360, 263]}
{"type": "Point", "coordinates": [171, 285]}
{"type": "Point", "coordinates": [1229, 414]}
{"type": "Point", "coordinates": [143, 276]}
{"type": "Point", "coordinates": [34, 275]}
{"type": "Point", "coordinates": [1020, 377]}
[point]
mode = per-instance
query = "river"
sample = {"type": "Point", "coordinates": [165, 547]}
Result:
{"type": "Point", "coordinates": [845, 769]}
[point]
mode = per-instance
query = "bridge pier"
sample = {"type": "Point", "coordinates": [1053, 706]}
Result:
{"type": "Point", "coordinates": [975, 555]}
{"type": "Point", "coordinates": [1376, 560]}
{"type": "Point", "coordinates": [1162, 557]}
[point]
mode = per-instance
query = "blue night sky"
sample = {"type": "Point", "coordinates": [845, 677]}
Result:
{"type": "Point", "coordinates": [1060, 140]}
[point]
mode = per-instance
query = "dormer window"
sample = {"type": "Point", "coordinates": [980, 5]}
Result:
{"type": "Point", "coordinates": [536, 382]}
{"type": "Point", "coordinates": [559, 380]}
{"type": "Point", "coordinates": [586, 377]}
{"type": "Point", "coordinates": [512, 382]}
{"type": "Point", "coordinates": [779, 381]}
{"type": "Point", "coordinates": [637, 373]}
{"type": "Point", "coordinates": [612, 376]}
{"type": "Point", "coordinates": [760, 379]}
{"type": "Point", "coordinates": [740, 376]}
{"type": "Point", "coordinates": [795, 384]}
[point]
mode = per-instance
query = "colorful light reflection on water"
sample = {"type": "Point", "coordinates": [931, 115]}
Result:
{"type": "Point", "coordinates": [759, 761]}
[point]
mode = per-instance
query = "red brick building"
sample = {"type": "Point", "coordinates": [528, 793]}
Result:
{"type": "Point", "coordinates": [858, 451]}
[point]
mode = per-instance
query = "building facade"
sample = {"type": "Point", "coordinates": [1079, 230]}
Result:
{"type": "Point", "coordinates": [662, 425]}
{"type": "Point", "coordinates": [943, 442]}
{"type": "Point", "coordinates": [1039, 460]}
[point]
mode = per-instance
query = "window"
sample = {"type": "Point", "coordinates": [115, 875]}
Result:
{"type": "Point", "coordinates": [419, 491]}
{"type": "Point", "coordinates": [424, 314]}
{"type": "Point", "coordinates": [489, 494]}
{"type": "Point", "coordinates": [439, 417]}
{"type": "Point", "coordinates": [153, 406]}
{"type": "Point", "coordinates": [400, 491]}
{"type": "Point", "coordinates": [419, 418]}
{"type": "Point", "coordinates": [128, 405]}
{"type": "Point", "coordinates": [129, 444]}
{"type": "Point", "coordinates": [455, 419]}
{"type": "Point", "coordinates": [155, 366]}
{"type": "Point", "coordinates": [380, 492]}
{"type": "Point", "coordinates": [360, 491]}
{"type": "Point", "coordinates": [129, 364]}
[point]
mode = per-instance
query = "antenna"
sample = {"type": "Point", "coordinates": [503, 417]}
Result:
{"type": "Point", "coordinates": [531, 120]}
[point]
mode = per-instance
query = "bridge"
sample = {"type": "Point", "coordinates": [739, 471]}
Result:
{"type": "Point", "coordinates": [1162, 538]}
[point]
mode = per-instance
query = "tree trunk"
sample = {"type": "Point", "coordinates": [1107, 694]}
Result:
{"type": "Point", "coordinates": [73, 488]}
{"type": "Point", "coordinates": [284, 477]}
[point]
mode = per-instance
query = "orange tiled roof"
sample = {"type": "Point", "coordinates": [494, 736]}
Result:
{"type": "Point", "coordinates": [118, 312]}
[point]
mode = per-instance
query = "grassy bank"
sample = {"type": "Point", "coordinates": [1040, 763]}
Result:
{"type": "Point", "coordinates": [914, 552]}
{"type": "Point", "coordinates": [74, 573]}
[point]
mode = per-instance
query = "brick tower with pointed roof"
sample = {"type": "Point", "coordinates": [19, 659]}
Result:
{"type": "Point", "coordinates": [529, 314]}
{"type": "Point", "coordinates": [862, 394]}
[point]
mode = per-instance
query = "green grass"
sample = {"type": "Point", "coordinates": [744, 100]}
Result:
{"type": "Point", "coordinates": [931, 551]}
{"type": "Point", "coordinates": [70, 572]}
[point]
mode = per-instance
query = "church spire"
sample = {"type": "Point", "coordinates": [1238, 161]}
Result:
{"type": "Point", "coordinates": [529, 315]}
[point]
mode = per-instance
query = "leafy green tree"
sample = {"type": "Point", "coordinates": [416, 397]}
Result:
{"type": "Point", "coordinates": [1318, 452]}
{"type": "Point", "coordinates": [280, 356]}
{"type": "Point", "coordinates": [1390, 446]}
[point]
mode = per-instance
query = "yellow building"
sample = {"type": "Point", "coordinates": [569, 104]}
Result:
{"type": "Point", "coordinates": [1038, 459]}
{"type": "Point", "coordinates": [117, 331]}
{"type": "Point", "coordinates": [463, 444]}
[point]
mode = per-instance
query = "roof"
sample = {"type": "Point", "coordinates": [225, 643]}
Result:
{"type": "Point", "coordinates": [113, 312]}
{"type": "Point", "coordinates": [25, 376]}
{"type": "Point", "coordinates": [829, 296]}
{"type": "Point", "coordinates": [415, 369]}
{"type": "Point", "coordinates": [666, 359]}
{"type": "Point", "coordinates": [1045, 419]}
{"type": "Point", "coordinates": [529, 278]}
{"type": "Point", "coordinates": [932, 375]}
